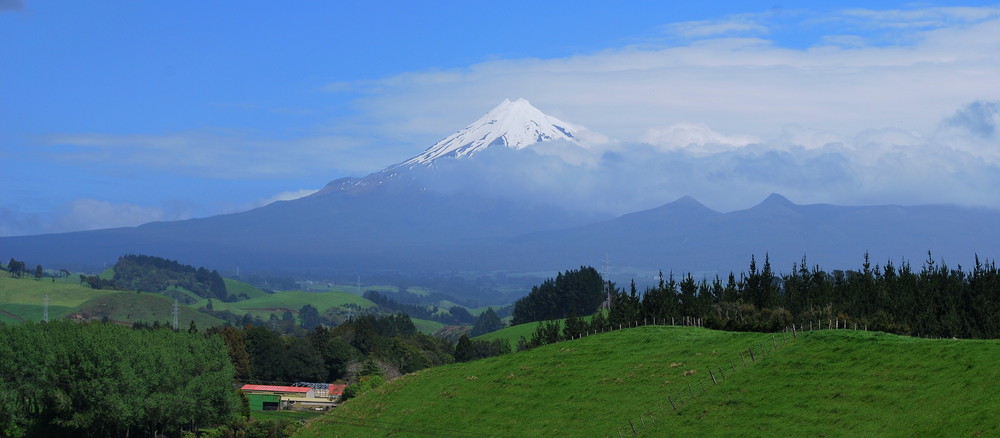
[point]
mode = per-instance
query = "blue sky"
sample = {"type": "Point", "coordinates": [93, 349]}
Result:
{"type": "Point", "coordinates": [116, 113]}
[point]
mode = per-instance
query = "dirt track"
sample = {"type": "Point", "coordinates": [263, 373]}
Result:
{"type": "Point", "coordinates": [18, 318]}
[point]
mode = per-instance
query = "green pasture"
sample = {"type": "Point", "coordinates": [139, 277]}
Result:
{"type": "Point", "coordinates": [824, 383]}
{"type": "Point", "coordinates": [426, 326]}
{"type": "Point", "coordinates": [236, 287]}
{"type": "Point", "coordinates": [131, 307]}
{"type": "Point", "coordinates": [267, 304]}
{"type": "Point", "coordinates": [25, 297]}
{"type": "Point", "coordinates": [515, 332]}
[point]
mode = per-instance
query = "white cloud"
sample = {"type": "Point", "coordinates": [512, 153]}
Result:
{"type": "Point", "coordinates": [696, 136]}
{"type": "Point", "coordinates": [743, 24]}
{"type": "Point", "coordinates": [930, 17]}
{"type": "Point", "coordinates": [283, 196]}
{"type": "Point", "coordinates": [743, 85]}
{"type": "Point", "coordinates": [92, 214]}
{"type": "Point", "coordinates": [876, 166]}
{"type": "Point", "coordinates": [80, 215]}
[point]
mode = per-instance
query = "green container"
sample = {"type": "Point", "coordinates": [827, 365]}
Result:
{"type": "Point", "coordinates": [264, 402]}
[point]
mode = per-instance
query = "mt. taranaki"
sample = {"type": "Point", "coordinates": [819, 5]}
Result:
{"type": "Point", "coordinates": [403, 219]}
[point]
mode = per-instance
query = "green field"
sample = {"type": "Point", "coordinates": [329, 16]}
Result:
{"type": "Point", "coordinates": [25, 297]}
{"type": "Point", "coordinates": [515, 332]}
{"type": "Point", "coordinates": [22, 299]}
{"type": "Point", "coordinates": [266, 304]}
{"type": "Point", "coordinates": [131, 307]}
{"type": "Point", "coordinates": [236, 287]}
{"type": "Point", "coordinates": [825, 383]}
{"type": "Point", "coordinates": [426, 326]}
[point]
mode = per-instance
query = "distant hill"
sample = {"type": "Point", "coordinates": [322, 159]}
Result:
{"type": "Point", "coordinates": [685, 236]}
{"type": "Point", "coordinates": [824, 383]}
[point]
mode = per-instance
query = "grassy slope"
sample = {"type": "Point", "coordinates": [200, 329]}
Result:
{"type": "Point", "coordinates": [845, 383]}
{"type": "Point", "coordinates": [144, 307]}
{"type": "Point", "coordinates": [426, 325]}
{"type": "Point", "coordinates": [829, 383]}
{"type": "Point", "coordinates": [292, 300]}
{"type": "Point", "coordinates": [24, 297]}
{"type": "Point", "coordinates": [236, 287]}
{"type": "Point", "coordinates": [514, 332]}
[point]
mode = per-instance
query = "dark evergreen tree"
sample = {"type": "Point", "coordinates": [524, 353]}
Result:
{"type": "Point", "coordinates": [310, 317]}
{"type": "Point", "coordinates": [463, 350]}
{"type": "Point", "coordinates": [574, 325]}
{"type": "Point", "coordinates": [581, 288]}
{"type": "Point", "coordinates": [487, 322]}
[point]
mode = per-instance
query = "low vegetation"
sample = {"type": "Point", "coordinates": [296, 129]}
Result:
{"type": "Point", "coordinates": [824, 383]}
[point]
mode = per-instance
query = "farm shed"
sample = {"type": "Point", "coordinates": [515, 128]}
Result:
{"type": "Point", "coordinates": [336, 390]}
{"type": "Point", "coordinates": [301, 395]}
{"type": "Point", "coordinates": [273, 397]}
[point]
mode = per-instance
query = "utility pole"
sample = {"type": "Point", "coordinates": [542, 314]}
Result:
{"type": "Point", "coordinates": [176, 311]}
{"type": "Point", "coordinates": [45, 312]}
{"type": "Point", "coordinates": [607, 284]}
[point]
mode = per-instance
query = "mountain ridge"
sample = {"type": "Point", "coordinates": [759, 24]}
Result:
{"type": "Point", "coordinates": [396, 220]}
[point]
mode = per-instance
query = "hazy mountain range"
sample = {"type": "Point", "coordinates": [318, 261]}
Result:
{"type": "Point", "coordinates": [420, 215]}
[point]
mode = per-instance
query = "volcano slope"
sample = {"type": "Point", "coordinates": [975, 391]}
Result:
{"type": "Point", "coordinates": [820, 383]}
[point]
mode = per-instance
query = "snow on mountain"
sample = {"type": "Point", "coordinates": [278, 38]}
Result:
{"type": "Point", "coordinates": [515, 124]}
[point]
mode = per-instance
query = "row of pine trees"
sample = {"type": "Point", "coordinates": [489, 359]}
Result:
{"type": "Point", "coordinates": [933, 300]}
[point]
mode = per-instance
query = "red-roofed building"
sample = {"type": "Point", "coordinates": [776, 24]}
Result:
{"type": "Point", "coordinates": [337, 390]}
{"type": "Point", "coordinates": [274, 397]}
{"type": "Point", "coordinates": [277, 389]}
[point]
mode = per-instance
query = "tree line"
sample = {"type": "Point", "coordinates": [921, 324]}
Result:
{"type": "Point", "coordinates": [933, 300]}
{"type": "Point", "coordinates": [578, 290]}
{"type": "Point", "coordinates": [157, 274]}
{"type": "Point", "coordinates": [260, 354]}
{"type": "Point", "coordinates": [69, 379]}
{"type": "Point", "coordinates": [17, 269]}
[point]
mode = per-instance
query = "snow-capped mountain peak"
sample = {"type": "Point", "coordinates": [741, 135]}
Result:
{"type": "Point", "coordinates": [515, 124]}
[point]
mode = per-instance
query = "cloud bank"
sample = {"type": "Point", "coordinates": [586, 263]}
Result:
{"type": "Point", "coordinates": [900, 68]}
{"type": "Point", "coordinates": [92, 214]}
{"type": "Point", "coordinates": [960, 164]}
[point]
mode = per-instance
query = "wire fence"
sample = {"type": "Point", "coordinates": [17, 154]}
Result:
{"type": "Point", "coordinates": [717, 375]}
{"type": "Point", "coordinates": [721, 372]}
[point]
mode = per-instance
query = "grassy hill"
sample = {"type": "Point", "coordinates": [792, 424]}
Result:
{"type": "Point", "coordinates": [130, 307]}
{"type": "Point", "coordinates": [236, 287]}
{"type": "Point", "coordinates": [824, 383]}
{"type": "Point", "coordinates": [24, 298]}
{"type": "Point", "coordinates": [515, 332]}
{"type": "Point", "coordinates": [264, 305]}
{"type": "Point", "coordinates": [426, 326]}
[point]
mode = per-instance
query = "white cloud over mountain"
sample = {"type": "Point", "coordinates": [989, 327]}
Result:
{"type": "Point", "coordinates": [907, 77]}
{"type": "Point", "coordinates": [885, 166]}
{"type": "Point", "coordinates": [897, 106]}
